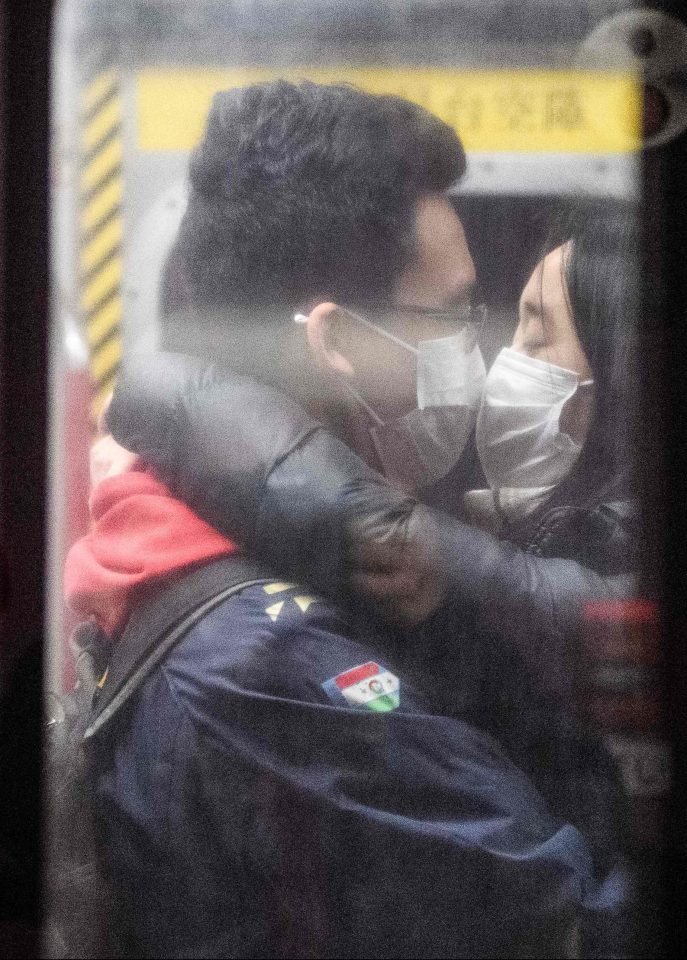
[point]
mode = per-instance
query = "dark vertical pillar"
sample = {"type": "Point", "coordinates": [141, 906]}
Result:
{"type": "Point", "coordinates": [23, 389]}
{"type": "Point", "coordinates": [665, 421]}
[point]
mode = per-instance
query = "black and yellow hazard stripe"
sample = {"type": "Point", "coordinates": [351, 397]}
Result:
{"type": "Point", "coordinates": [100, 230]}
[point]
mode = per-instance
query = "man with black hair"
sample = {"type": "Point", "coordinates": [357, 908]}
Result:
{"type": "Point", "coordinates": [284, 782]}
{"type": "Point", "coordinates": [306, 200]}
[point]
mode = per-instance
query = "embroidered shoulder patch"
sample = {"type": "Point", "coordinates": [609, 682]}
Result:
{"type": "Point", "coordinates": [368, 686]}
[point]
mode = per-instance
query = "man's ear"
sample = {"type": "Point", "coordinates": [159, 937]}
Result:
{"type": "Point", "coordinates": [322, 339]}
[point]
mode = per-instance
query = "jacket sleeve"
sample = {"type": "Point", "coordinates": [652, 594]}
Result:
{"type": "Point", "coordinates": [256, 466]}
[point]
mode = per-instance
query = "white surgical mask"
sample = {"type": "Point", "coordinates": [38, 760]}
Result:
{"type": "Point", "coordinates": [450, 371]}
{"type": "Point", "coordinates": [425, 444]}
{"type": "Point", "coordinates": [523, 451]}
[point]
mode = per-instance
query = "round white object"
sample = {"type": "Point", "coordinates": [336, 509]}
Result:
{"type": "Point", "coordinates": [655, 45]}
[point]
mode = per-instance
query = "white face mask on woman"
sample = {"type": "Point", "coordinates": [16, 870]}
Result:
{"type": "Point", "coordinates": [524, 452]}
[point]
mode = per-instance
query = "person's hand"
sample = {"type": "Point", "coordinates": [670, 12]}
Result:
{"type": "Point", "coordinates": [108, 459]}
{"type": "Point", "coordinates": [398, 578]}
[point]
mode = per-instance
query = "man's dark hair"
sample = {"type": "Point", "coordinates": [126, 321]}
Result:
{"type": "Point", "coordinates": [303, 190]}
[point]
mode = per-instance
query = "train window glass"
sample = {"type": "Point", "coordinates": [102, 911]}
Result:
{"type": "Point", "coordinates": [351, 647]}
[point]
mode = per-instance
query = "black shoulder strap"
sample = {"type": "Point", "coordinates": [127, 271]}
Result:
{"type": "Point", "coordinates": [160, 622]}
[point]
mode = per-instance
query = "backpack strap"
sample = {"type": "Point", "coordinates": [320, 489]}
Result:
{"type": "Point", "coordinates": [157, 624]}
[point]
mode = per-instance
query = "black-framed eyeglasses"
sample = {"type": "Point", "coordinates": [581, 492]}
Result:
{"type": "Point", "coordinates": [475, 314]}
{"type": "Point", "coordinates": [468, 315]}
{"type": "Point", "coordinates": [465, 315]}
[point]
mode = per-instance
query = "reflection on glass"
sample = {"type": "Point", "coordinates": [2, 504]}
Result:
{"type": "Point", "coordinates": [365, 666]}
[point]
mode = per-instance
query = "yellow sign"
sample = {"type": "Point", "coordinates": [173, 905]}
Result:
{"type": "Point", "coordinates": [519, 111]}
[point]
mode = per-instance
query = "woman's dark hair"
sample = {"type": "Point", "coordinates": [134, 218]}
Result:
{"type": "Point", "coordinates": [303, 190]}
{"type": "Point", "coordinates": [601, 272]}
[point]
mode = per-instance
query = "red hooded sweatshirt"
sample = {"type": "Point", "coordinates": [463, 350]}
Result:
{"type": "Point", "coordinates": [140, 535]}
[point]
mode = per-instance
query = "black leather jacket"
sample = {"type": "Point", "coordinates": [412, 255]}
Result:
{"type": "Point", "coordinates": [256, 466]}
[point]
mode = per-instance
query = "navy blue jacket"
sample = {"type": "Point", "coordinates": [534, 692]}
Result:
{"type": "Point", "coordinates": [260, 796]}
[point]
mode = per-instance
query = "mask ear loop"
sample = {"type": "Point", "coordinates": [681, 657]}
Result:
{"type": "Point", "coordinates": [378, 422]}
